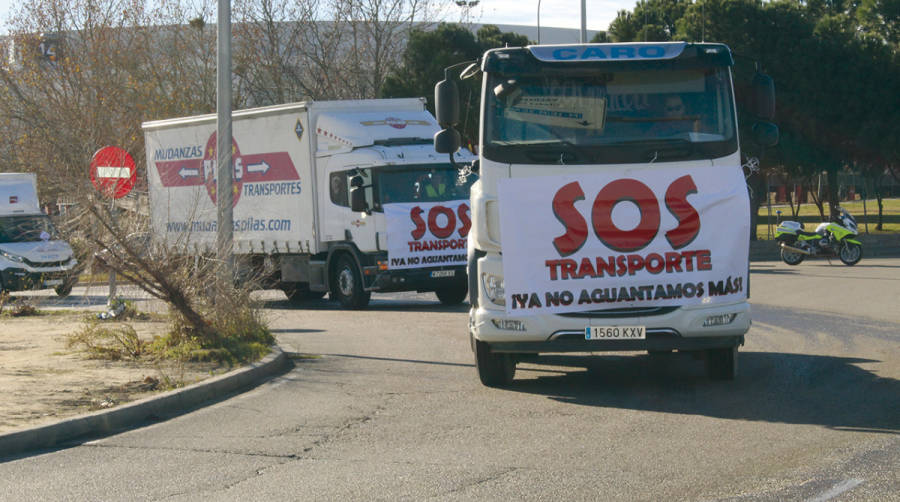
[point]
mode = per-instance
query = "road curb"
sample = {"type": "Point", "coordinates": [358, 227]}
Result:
{"type": "Point", "coordinates": [167, 404]}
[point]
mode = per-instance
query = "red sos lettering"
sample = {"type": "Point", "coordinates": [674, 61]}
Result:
{"type": "Point", "coordinates": [601, 215]}
{"type": "Point", "coordinates": [438, 228]}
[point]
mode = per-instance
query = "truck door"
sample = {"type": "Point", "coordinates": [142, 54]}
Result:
{"type": "Point", "coordinates": [339, 222]}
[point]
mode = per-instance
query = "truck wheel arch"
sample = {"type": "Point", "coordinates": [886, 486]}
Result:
{"type": "Point", "coordinates": [335, 252]}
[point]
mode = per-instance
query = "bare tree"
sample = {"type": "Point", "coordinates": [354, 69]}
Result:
{"type": "Point", "coordinates": [86, 74]}
{"type": "Point", "coordinates": [288, 50]}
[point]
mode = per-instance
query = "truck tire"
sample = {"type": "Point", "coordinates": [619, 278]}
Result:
{"type": "Point", "coordinates": [64, 289]}
{"type": "Point", "coordinates": [453, 294]}
{"type": "Point", "coordinates": [722, 364]}
{"type": "Point", "coordinates": [494, 370]}
{"type": "Point", "coordinates": [347, 285]}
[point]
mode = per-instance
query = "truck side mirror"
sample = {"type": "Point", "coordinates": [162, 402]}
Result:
{"type": "Point", "coordinates": [765, 133]}
{"type": "Point", "coordinates": [763, 96]}
{"type": "Point", "coordinates": [447, 141]}
{"type": "Point", "coordinates": [357, 195]}
{"type": "Point", "coordinates": [446, 110]}
{"type": "Point", "coordinates": [446, 103]}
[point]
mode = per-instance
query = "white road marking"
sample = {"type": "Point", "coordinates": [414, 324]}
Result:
{"type": "Point", "coordinates": [837, 489]}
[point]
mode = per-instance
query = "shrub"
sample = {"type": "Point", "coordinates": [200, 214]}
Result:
{"type": "Point", "coordinates": [107, 341]}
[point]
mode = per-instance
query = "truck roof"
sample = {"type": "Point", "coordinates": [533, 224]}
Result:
{"type": "Point", "coordinates": [340, 125]}
{"type": "Point", "coordinates": [358, 129]}
{"type": "Point", "coordinates": [18, 194]}
{"type": "Point", "coordinates": [354, 105]}
{"type": "Point", "coordinates": [568, 54]}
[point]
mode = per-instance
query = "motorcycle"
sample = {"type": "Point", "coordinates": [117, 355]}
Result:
{"type": "Point", "coordinates": [834, 238]}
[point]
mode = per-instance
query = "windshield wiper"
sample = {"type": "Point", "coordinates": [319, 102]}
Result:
{"type": "Point", "coordinates": [671, 149]}
{"type": "Point", "coordinates": [557, 152]}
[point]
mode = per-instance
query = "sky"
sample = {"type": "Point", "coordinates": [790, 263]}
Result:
{"type": "Point", "coordinates": [556, 13]}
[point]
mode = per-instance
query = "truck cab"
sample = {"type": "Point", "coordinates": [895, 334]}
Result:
{"type": "Point", "coordinates": [376, 199]}
{"type": "Point", "coordinates": [32, 254]}
{"type": "Point", "coordinates": [611, 212]}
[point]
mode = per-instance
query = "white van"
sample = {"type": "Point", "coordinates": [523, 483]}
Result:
{"type": "Point", "coordinates": [32, 256]}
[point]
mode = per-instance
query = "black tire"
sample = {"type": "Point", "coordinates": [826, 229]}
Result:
{"type": "Point", "coordinates": [453, 294]}
{"type": "Point", "coordinates": [347, 285]}
{"type": "Point", "coordinates": [722, 364]}
{"type": "Point", "coordinates": [850, 253]}
{"type": "Point", "coordinates": [494, 370]}
{"type": "Point", "coordinates": [64, 289]}
{"type": "Point", "coordinates": [791, 258]}
{"type": "Point", "coordinates": [300, 294]}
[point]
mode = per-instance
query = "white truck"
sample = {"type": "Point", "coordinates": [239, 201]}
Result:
{"type": "Point", "coordinates": [32, 255]}
{"type": "Point", "coordinates": [344, 197]}
{"type": "Point", "coordinates": [611, 213]}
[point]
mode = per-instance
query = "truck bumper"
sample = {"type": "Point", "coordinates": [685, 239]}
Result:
{"type": "Point", "coordinates": [414, 279]}
{"type": "Point", "coordinates": [20, 279]}
{"type": "Point", "coordinates": [667, 329]}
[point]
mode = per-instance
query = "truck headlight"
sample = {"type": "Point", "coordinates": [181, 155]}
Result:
{"type": "Point", "coordinates": [719, 320]}
{"type": "Point", "coordinates": [494, 288]}
{"type": "Point", "coordinates": [12, 257]}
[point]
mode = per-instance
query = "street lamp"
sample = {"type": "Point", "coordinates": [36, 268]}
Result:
{"type": "Point", "coordinates": [467, 6]}
{"type": "Point", "coordinates": [583, 22]}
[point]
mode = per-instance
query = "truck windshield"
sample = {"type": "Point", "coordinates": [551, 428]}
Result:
{"type": "Point", "coordinates": [422, 183]}
{"type": "Point", "coordinates": [589, 116]}
{"type": "Point", "coordinates": [26, 229]}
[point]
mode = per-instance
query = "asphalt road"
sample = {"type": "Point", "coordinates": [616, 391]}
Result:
{"type": "Point", "coordinates": [385, 404]}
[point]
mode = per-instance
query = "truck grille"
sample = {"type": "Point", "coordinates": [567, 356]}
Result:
{"type": "Point", "coordinates": [626, 312]}
{"type": "Point", "coordinates": [45, 264]}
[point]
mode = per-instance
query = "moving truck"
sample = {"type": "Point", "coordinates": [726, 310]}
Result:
{"type": "Point", "coordinates": [32, 255]}
{"type": "Point", "coordinates": [344, 197]}
{"type": "Point", "coordinates": [611, 212]}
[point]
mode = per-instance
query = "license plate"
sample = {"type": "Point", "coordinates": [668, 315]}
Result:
{"type": "Point", "coordinates": [615, 333]}
{"type": "Point", "coordinates": [53, 282]}
{"type": "Point", "coordinates": [443, 273]}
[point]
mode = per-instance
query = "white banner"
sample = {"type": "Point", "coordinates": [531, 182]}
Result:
{"type": "Point", "coordinates": [427, 234]}
{"type": "Point", "coordinates": [657, 236]}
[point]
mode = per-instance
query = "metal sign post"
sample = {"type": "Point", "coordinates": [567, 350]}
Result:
{"type": "Point", "coordinates": [224, 194]}
{"type": "Point", "coordinates": [112, 272]}
{"type": "Point", "coordinates": [113, 173]}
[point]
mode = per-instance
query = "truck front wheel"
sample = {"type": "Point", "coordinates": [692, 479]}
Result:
{"type": "Point", "coordinates": [347, 285]}
{"type": "Point", "coordinates": [494, 370]}
{"type": "Point", "coordinates": [722, 364]}
{"type": "Point", "coordinates": [64, 289]}
{"type": "Point", "coordinates": [453, 294]}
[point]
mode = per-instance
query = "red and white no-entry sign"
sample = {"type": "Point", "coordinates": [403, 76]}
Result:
{"type": "Point", "coordinates": [113, 172]}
